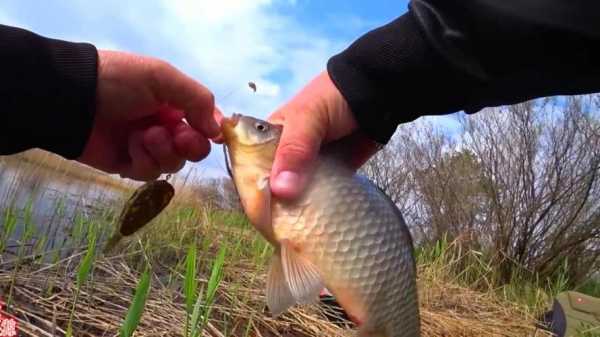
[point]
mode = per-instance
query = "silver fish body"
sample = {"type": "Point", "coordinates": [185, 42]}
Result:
{"type": "Point", "coordinates": [358, 240]}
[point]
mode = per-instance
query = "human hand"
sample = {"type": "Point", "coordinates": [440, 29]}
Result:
{"type": "Point", "coordinates": [317, 115]}
{"type": "Point", "coordinates": [138, 129]}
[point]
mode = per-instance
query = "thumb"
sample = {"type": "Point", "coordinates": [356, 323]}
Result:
{"type": "Point", "coordinates": [296, 154]}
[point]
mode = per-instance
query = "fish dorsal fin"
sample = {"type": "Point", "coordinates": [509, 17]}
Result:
{"type": "Point", "coordinates": [302, 276]}
{"type": "Point", "coordinates": [279, 297]}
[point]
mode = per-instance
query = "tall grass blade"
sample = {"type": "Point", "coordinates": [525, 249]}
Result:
{"type": "Point", "coordinates": [9, 225]}
{"type": "Point", "coordinates": [136, 308]}
{"type": "Point", "coordinates": [216, 276]}
{"type": "Point", "coordinates": [190, 285]}
{"type": "Point", "coordinates": [83, 272]}
{"type": "Point", "coordinates": [195, 320]}
{"type": "Point", "coordinates": [86, 264]}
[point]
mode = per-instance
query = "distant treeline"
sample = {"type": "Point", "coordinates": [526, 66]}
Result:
{"type": "Point", "coordinates": [520, 183]}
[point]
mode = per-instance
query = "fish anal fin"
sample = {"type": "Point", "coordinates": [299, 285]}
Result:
{"type": "Point", "coordinates": [279, 297]}
{"type": "Point", "coordinates": [302, 276]}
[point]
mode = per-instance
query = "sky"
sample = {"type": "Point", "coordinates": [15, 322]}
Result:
{"type": "Point", "coordinates": [278, 44]}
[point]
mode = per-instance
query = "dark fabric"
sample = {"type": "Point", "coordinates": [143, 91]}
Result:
{"type": "Point", "coordinates": [445, 56]}
{"type": "Point", "coordinates": [48, 91]}
{"type": "Point", "coordinates": [558, 325]}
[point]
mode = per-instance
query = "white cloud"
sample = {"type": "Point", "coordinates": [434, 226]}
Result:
{"type": "Point", "coordinates": [267, 89]}
{"type": "Point", "coordinates": [229, 43]}
{"type": "Point", "coordinates": [225, 44]}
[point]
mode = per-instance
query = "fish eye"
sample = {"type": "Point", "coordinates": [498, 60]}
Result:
{"type": "Point", "coordinates": [261, 127]}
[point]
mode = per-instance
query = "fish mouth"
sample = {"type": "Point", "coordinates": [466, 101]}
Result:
{"type": "Point", "coordinates": [227, 126]}
{"type": "Point", "coordinates": [232, 121]}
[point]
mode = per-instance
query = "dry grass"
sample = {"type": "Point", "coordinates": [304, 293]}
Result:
{"type": "Point", "coordinates": [448, 309]}
{"type": "Point", "coordinates": [43, 298]}
{"type": "Point", "coordinates": [42, 302]}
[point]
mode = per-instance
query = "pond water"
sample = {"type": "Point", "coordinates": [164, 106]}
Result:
{"type": "Point", "coordinates": [44, 205]}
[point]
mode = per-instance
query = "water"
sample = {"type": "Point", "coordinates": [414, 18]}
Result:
{"type": "Point", "coordinates": [53, 205]}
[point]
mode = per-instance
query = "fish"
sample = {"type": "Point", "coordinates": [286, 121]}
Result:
{"type": "Point", "coordinates": [145, 204]}
{"type": "Point", "coordinates": [343, 234]}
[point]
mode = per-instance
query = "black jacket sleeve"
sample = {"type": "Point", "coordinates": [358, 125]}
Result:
{"type": "Point", "coordinates": [47, 92]}
{"type": "Point", "coordinates": [445, 56]}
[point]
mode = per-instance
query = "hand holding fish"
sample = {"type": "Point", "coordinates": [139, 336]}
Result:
{"type": "Point", "coordinates": [139, 131]}
{"type": "Point", "coordinates": [319, 114]}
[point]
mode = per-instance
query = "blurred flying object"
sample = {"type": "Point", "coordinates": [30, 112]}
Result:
{"type": "Point", "coordinates": [252, 86]}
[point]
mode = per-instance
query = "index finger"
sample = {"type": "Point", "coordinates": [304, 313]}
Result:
{"type": "Point", "coordinates": [171, 86]}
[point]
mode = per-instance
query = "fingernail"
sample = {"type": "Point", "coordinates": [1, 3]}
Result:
{"type": "Point", "coordinates": [287, 181]}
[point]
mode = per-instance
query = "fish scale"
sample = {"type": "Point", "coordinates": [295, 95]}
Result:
{"type": "Point", "coordinates": [356, 238]}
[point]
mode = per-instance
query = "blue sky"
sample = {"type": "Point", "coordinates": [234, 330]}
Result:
{"type": "Point", "coordinates": [279, 44]}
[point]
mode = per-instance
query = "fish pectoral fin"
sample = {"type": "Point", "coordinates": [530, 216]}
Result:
{"type": "Point", "coordinates": [279, 297]}
{"type": "Point", "coordinates": [255, 195]}
{"type": "Point", "coordinates": [302, 276]}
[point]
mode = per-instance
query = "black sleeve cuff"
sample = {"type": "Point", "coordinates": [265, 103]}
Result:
{"type": "Point", "coordinates": [389, 75]}
{"type": "Point", "coordinates": [49, 87]}
{"type": "Point", "coordinates": [76, 67]}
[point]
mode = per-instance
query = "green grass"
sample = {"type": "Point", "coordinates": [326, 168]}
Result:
{"type": "Point", "coordinates": [190, 286]}
{"type": "Point", "coordinates": [9, 225]}
{"type": "Point", "coordinates": [200, 229]}
{"type": "Point", "coordinates": [83, 273]}
{"type": "Point", "coordinates": [180, 226]}
{"type": "Point", "coordinates": [204, 301]}
{"type": "Point", "coordinates": [590, 287]}
{"type": "Point", "coordinates": [478, 270]}
{"type": "Point", "coordinates": [136, 308]}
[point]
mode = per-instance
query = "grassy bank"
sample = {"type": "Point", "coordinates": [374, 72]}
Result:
{"type": "Point", "coordinates": [201, 271]}
{"type": "Point", "coordinates": [47, 293]}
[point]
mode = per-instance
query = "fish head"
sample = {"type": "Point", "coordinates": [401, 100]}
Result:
{"type": "Point", "coordinates": [251, 141]}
